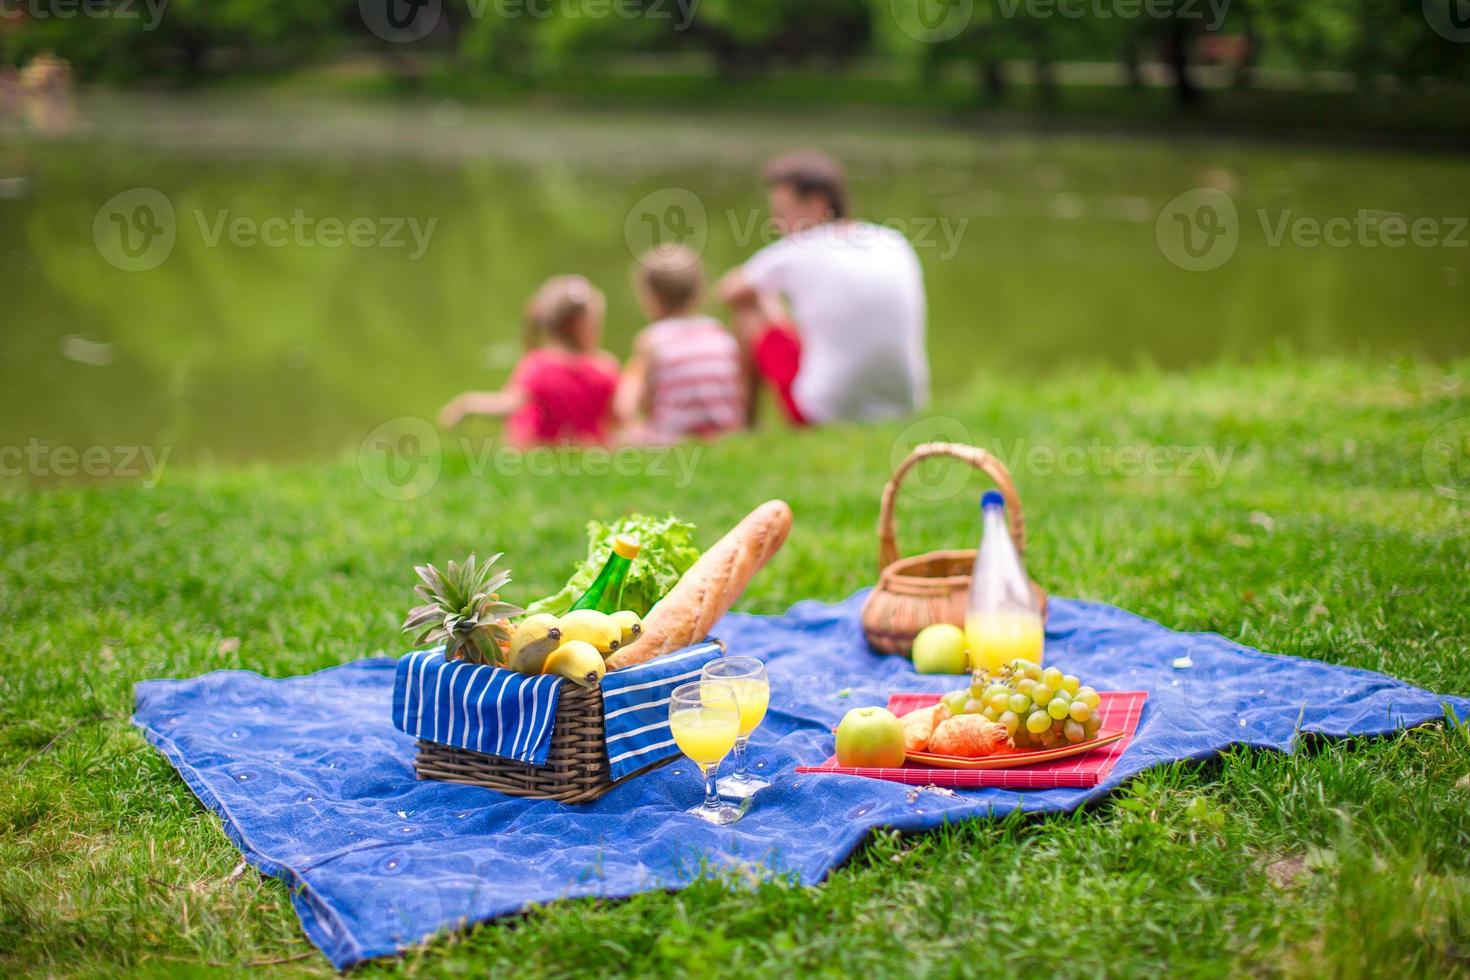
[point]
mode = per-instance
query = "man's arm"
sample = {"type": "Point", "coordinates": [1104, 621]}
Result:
{"type": "Point", "coordinates": [735, 290]}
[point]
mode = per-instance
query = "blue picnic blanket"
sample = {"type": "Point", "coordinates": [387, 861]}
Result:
{"type": "Point", "coordinates": [315, 785]}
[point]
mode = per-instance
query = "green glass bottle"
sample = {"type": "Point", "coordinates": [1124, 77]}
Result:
{"type": "Point", "coordinates": [606, 592]}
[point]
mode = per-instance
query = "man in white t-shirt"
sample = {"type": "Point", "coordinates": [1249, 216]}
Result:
{"type": "Point", "coordinates": [856, 294]}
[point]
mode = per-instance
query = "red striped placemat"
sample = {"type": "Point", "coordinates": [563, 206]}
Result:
{"type": "Point", "coordinates": [1118, 710]}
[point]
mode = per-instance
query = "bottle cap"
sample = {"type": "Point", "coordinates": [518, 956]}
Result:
{"type": "Point", "coordinates": [626, 546]}
{"type": "Point", "coordinates": [992, 498]}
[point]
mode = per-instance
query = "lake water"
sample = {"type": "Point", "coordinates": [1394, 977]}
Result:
{"type": "Point", "coordinates": [279, 276]}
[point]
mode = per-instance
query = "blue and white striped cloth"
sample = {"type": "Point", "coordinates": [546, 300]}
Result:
{"type": "Point", "coordinates": [512, 715]}
{"type": "Point", "coordinates": [635, 705]}
{"type": "Point", "coordinates": [473, 706]}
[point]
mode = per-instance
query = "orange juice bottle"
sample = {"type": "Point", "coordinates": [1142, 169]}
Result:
{"type": "Point", "coordinates": [1004, 619]}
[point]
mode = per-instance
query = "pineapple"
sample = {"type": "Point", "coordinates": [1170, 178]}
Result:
{"type": "Point", "coordinates": [463, 611]}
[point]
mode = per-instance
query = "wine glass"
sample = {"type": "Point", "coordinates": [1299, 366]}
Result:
{"type": "Point", "coordinates": [704, 718]}
{"type": "Point", "coordinates": [747, 676]}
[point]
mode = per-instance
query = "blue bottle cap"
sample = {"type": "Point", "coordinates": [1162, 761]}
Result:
{"type": "Point", "coordinates": [992, 498]}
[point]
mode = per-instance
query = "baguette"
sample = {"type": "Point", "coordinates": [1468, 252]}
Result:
{"type": "Point", "coordinates": [708, 590]}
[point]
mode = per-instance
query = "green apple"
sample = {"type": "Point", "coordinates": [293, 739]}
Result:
{"type": "Point", "coordinates": [870, 737]}
{"type": "Point", "coordinates": [940, 649]}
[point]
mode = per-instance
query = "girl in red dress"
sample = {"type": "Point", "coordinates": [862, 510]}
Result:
{"type": "Point", "coordinates": [561, 391]}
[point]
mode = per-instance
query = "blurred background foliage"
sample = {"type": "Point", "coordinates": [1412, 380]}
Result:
{"type": "Point", "coordinates": [1372, 41]}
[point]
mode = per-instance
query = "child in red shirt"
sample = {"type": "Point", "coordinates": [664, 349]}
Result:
{"type": "Point", "coordinates": [562, 389]}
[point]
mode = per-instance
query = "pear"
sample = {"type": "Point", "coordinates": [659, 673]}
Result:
{"type": "Point", "coordinates": [591, 626]}
{"type": "Point", "coordinates": [534, 638]}
{"type": "Point", "coordinates": [628, 624]}
{"type": "Point", "coordinates": [576, 660]}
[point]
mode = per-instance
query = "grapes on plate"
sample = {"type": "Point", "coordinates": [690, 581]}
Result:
{"type": "Point", "coordinates": [1039, 707]}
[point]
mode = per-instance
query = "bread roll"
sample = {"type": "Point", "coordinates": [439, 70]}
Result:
{"type": "Point", "coordinates": [918, 726]}
{"type": "Point", "coordinates": [708, 590]}
{"type": "Point", "coordinates": [968, 735]}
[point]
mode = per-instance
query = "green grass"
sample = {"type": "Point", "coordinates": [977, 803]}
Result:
{"type": "Point", "coordinates": [1324, 539]}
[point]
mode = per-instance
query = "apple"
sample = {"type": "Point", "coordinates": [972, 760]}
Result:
{"type": "Point", "coordinates": [870, 737]}
{"type": "Point", "coordinates": [941, 649]}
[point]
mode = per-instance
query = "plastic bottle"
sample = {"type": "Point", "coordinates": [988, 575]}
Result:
{"type": "Point", "coordinates": [1004, 620]}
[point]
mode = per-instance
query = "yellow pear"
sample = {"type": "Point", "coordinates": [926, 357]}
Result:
{"type": "Point", "coordinates": [535, 637]}
{"type": "Point", "coordinates": [628, 624]}
{"type": "Point", "coordinates": [591, 626]}
{"type": "Point", "coordinates": [576, 660]}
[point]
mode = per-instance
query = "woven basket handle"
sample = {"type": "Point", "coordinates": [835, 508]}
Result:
{"type": "Point", "coordinates": [980, 459]}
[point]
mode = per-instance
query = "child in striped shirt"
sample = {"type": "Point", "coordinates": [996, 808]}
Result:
{"type": "Point", "coordinates": [685, 377]}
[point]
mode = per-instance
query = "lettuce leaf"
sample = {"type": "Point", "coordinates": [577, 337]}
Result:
{"type": "Point", "coordinates": [666, 554]}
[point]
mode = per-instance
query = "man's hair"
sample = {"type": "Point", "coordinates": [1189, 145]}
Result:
{"type": "Point", "coordinates": [811, 172]}
{"type": "Point", "coordinates": [673, 276]}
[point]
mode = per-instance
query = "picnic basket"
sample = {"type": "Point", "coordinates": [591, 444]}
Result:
{"type": "Point", "coordinates": [674, 644]}
{"type": "Point", "coordinates": [576, 769]}
{"type": "Point", "coordinates": [933, 587]}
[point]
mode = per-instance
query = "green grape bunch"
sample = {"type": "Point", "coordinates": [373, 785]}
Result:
{"type": "Point", "coordinates": [1041, 709]}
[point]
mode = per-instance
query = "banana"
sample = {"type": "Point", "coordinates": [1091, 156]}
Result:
{"type": "Point", "coordinates": [628, 624]}
{"type": "Point", "coordinates": [576, 660]}
{"type": "Point", "coordinates": [534, 638]}
{"type": "Point", "coordinates": [591, 626]}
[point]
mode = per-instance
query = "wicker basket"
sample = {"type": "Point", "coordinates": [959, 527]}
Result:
{"type": "Point", "coordinates": [933, 587]}
{"type": "Point", "coordinates": [576, 769]}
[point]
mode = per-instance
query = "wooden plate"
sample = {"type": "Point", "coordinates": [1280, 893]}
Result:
{"type": "Point", "coordinates": [1009, 760]}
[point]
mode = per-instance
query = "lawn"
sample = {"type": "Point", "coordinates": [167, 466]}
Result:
{"type": "Point", "coordinates": [1322, 537]}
